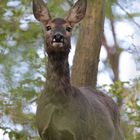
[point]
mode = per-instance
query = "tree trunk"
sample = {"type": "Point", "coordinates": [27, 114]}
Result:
{"type": "Point", "coordinates": [85, 67]}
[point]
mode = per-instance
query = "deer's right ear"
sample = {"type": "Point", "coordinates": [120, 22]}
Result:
{"type": "Point", "coordinates": [40, 11]}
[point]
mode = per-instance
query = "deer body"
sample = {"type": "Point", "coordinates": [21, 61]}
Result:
{"type": "Point", "coordinates": [65, 112]}
{"type": "Point", "coordinates": [74, 119]}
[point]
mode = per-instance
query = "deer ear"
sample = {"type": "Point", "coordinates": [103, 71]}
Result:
{"type": "Point", "coordinates": [77, 12]}
{"type": "Point", "coordinates": [40, 11]}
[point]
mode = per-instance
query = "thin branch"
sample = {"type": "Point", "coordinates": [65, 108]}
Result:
{"type": "Point", "coordinates": [113, 57]}
{"type": "Point", "coordinates": [113, 31]}
{"type": "Point", "coordinates": [128, 14]}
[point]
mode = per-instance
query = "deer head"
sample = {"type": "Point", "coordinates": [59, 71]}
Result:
{"type": "Point", "coordinates": [58, 30]}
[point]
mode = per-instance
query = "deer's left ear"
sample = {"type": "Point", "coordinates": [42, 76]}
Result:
{"type": "Point", "coordinates": [77, 12]}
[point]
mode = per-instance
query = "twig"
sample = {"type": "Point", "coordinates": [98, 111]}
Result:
{"type": "Point", "coordinates": [128, 14]}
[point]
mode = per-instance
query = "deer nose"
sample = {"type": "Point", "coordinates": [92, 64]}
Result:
{"type": "Point", "coordinates": [58, 37]}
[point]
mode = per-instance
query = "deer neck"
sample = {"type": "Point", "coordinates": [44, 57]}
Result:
{"type": "Point", "coordinates": [58, 76]}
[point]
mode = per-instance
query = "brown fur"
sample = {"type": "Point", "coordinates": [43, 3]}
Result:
{"type": "Point", "coordinates": [65, 112]}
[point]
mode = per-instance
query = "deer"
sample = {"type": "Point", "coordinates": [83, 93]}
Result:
{"type": "Point", "coordinates": [66, 112]}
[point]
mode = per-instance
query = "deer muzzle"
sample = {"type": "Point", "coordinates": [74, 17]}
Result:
{"type": "Point", "coordinates": [58, 40]}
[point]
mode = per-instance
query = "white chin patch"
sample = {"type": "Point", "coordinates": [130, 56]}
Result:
{"type": "Point", "coordinates": [57, 44]}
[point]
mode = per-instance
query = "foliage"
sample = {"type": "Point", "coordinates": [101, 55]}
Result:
{"type": "Point", "coordinates": [127, 96]}
{"type": "Point", "coordinates": [22, 65]}
{"type": "Point", "coordinates": [109, 5]}
{"type": "Point", "coordinates": [132, 109]}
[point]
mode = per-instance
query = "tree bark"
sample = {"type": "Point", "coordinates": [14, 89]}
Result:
{"type": "Point", "coordinates": [85, 67]}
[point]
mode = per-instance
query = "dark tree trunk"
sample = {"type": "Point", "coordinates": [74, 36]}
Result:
{"type": "Point", "coordinates": [85, 68]}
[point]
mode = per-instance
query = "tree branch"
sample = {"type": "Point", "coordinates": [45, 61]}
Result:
{"type": "Point", "coordinates": [128, 14]}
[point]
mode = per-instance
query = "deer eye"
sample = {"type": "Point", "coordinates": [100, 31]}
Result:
{"type": "Point", "coordinates": [68, 29]}
{"type": "Point", "coordinates": [48, 28]}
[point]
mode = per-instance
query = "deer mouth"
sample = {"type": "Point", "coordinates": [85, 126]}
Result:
{"type": "Point", "coordinates": [56, 43]}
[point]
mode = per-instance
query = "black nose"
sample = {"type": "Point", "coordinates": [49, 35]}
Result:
{"type": "Point", "coordinates": [58, 37]}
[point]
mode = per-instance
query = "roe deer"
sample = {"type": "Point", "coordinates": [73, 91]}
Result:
{"type": "Point", "coordinates": [65, 112]}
